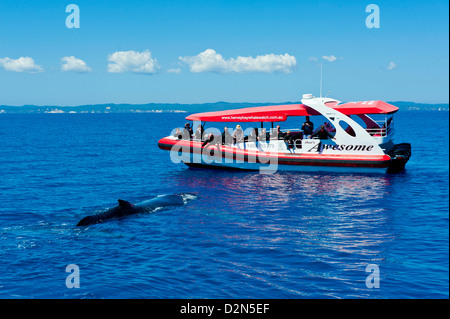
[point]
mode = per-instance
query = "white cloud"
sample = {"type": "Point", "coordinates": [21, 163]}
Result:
{"type": "Point", "coordinates": [132, 61]}
{"type": "Point", "coordinates": [330, 58]}
{"type": "Point", "coordinates": [313, 58]}
{"type": "Point", "coordinates": [22, 64]}
{"type": "Point", "coordinates": [391, 66]}
{"type": "Point", "coordinates": [71, 63]}
{"type": "Point", "coordinates": [211, 61]}
{"type": "Point", "coordinates": [176, 71]}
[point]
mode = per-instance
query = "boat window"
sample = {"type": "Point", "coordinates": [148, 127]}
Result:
{"type": "Point", "coordinates": [347, 128]}
{"type": "Point", "coordinates": [363, 120]}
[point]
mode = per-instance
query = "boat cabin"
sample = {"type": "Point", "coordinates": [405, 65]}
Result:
{"type": "Point", "coordinates": [376, 118]}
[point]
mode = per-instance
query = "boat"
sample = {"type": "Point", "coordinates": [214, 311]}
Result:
{"type": "Point", "coordinates": [357, 140]}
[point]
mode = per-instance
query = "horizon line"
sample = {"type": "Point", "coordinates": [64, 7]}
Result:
{"type": "Point", "coordinates": [177, 103]}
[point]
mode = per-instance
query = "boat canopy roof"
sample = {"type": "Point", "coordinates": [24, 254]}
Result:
{"type": "Point", "coordinates": [279, 113]}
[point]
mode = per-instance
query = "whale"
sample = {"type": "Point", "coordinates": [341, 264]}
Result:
{"type": "Point", "coordinates": [125, 208]}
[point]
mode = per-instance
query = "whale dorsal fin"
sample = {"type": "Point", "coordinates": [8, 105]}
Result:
{"type": "Point", "coordinates": [124, 203]}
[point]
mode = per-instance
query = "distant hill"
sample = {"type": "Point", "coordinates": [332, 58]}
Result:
{"type": "Point", "coordinates": [421, 106]}
{"type": "Point", "coordinates": [178, 108]}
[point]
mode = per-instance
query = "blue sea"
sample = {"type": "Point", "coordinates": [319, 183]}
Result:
{"type": "Point", "coordinates": [286, 235]}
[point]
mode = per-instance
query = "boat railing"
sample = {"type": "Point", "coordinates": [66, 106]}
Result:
{"type": "Point", "coordinates": [385, 128]}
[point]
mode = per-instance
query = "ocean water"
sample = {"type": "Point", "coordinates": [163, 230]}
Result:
{"type": "Point", "coordinates": [246, 235]}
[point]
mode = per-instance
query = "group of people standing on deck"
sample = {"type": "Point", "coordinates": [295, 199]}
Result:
{"type": "Point", "coordinates": [322, 134]}
{"type": "Point", "coordinates": [238, 138]}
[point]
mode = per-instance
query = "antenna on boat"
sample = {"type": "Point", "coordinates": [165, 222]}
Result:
{"type": "Point", "coordinates": [321, 64]}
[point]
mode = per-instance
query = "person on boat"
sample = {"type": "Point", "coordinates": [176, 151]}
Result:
{"type": "Point", "coordinates": [238, 136]}
{"type": "Point", "coordinates": [178, 134]}
{"type": "Point", "coordinates": [277, 134]}
{"type": "Point", "coordinates": [199, 132]}
{"type": "Point", "coordinates": [208, 139]}
{"type": "Point", "coordinates": [253, 137]}
{"type": "Point", "coordinates": [280, 134]}
{"type": "Point", "coordinates": [328, 127]}
{"type": "Point", "coordinates": [289, 140]}
{"type": "Point", "coordinates": [188, 128]}
{"type": "Point", "coordinates": [307, 127]}
{"type": "Point", "coordinates": [227, 139]}
{"type": "Point", "coordinates": [322, 134]}
{"type": "Point", "coordinates": [263, 136]}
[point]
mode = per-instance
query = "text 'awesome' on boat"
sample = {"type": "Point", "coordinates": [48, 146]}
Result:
{"type": "Point", "coordinates": [349, 140]}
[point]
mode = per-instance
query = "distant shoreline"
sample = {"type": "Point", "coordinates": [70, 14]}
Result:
{"type": "Point", "coordinates": [179, 108]}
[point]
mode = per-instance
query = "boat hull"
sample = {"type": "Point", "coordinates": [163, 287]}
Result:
{"type": "Point", "coordinates": [305, 168]}
{"type": "Point", "coordinates": [193, 154]}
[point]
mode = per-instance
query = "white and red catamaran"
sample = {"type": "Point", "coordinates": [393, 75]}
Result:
{"type": "Point", "coordinates": [348, 146]}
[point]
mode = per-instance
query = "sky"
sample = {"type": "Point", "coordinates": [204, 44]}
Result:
{"type": "Point", "coordinates": [187, 52]}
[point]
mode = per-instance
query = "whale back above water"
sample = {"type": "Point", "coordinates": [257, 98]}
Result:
{"type": "Point", "coordinates": [125, 208]}
{"type": "Point", "coordinates": [160, 202]}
